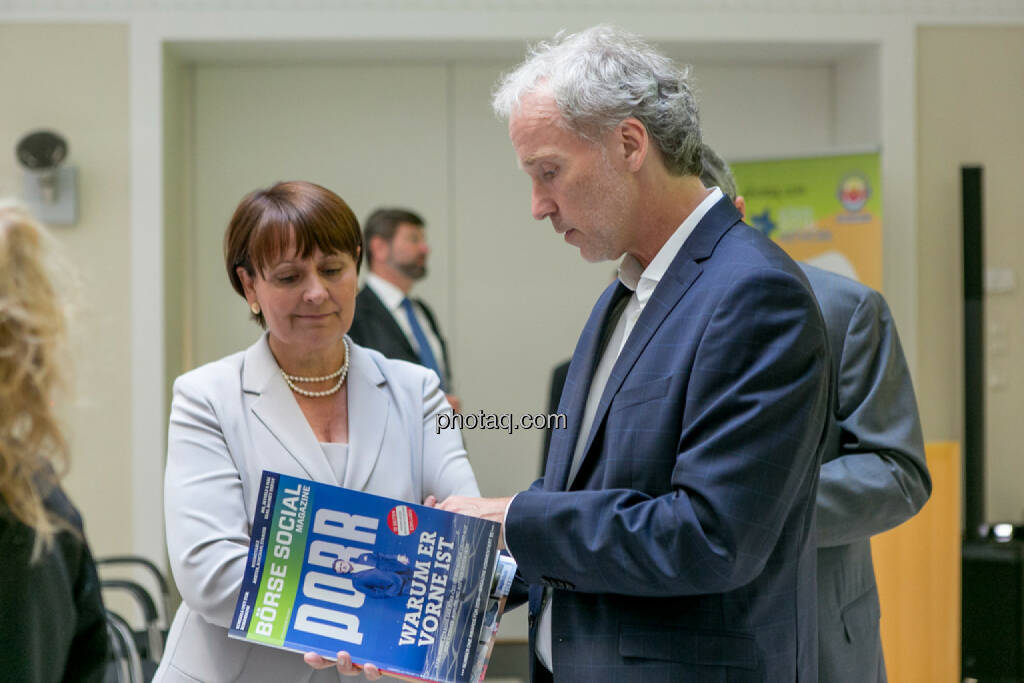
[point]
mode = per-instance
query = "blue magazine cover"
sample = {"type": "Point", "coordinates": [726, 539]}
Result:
{"type": "Point", "coordinates": [414, 590]}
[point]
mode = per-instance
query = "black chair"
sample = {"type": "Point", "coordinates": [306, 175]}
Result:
{"type": "Point", "coordinates": [134, 561]}
{"type": "Point", "coordinates": [149, 640]}
{"type": "Point", "coordinates": [150, 634]}
{"type": "Point", "coordinates": [125, 664]}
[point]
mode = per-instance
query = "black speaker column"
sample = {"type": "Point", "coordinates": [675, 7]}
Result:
{"type": "Point", "coordinates": [974, 352]}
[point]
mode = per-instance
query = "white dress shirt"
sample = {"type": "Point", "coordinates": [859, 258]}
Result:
{"type": "Point", "coordinates": [642, 281]}
{"type": "Point", "coordinates": [391, 296]}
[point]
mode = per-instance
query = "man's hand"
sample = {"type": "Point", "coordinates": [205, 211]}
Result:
{"type": "Point", "coordinates": [492, 509]}
{"type": "Point", "coordinates": [455, 402]}
{"type": "Point", "coordinates": [344, 665]}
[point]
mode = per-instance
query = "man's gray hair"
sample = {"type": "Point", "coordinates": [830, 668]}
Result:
{"type": "Point", "coordinates": [602, 76]}
{"type": "Point", "coordinates": [717, 173]}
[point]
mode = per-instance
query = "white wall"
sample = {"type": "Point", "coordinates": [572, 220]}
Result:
{"type": "Point", "coordinates": [755, 111]}
{"type": "Point", "coordinates": [127, 385]}
{"type": "Point", "coordinates": [373, 134]}
{"type": "Point", "coordinates": [178, 237]}
{"type": "Point", "coordinates": [522, 295]}
{"type": "Point", "coordinates": [856, 81]}
{"type": "Point", "coordinates": [219, 43]}
{"type": "Point", "coordinates": [511, 297]}
{"type": "Point", "coordinates": [47, 84]}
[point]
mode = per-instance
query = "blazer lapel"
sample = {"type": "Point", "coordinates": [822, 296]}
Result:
{"type": "Point", "coordinates": [368, 411]}
{"type": "Point", "coordinates": [276, 408]}
{"type": "Point", "coordinates": [373, 305]}
{"type": "Point", "coordinates": [665, 297]}
{"type": "Point", "coordinates": [577, 387]}
{"type": "Point", "coordinates": [681, 274]}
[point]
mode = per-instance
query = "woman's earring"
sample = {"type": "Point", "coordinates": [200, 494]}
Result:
{"type": "Point", "coordinates": [255, 308]}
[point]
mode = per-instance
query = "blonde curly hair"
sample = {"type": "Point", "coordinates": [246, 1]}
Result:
{"type": "Point", "coordinates": [33, 334]}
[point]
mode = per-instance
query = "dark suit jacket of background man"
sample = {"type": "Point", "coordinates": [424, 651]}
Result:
{"type": "Point", "coordinates": [373, 326]}
{"type": "Point", "coordinates": [686, 551]}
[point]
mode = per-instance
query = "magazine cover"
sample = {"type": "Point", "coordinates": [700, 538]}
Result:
{"type": "Point", "coordinates": [501, 584]}
{"type": "Point", "coordinates": [414, 590]}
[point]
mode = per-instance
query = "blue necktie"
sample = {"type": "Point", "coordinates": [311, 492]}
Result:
{"type": "Point", "coordinates": [427, 359]}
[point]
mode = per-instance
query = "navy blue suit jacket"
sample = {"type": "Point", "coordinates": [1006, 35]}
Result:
{"type": "Point", "coordinates": [386, 577]}
{"type": "Point", "coordinates": [683, 549]}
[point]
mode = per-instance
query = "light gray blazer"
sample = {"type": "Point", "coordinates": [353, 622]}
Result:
{"type": "Point", "coordinates": [872, 479]}
{"type": "Point", "coordinates": [235, 417]}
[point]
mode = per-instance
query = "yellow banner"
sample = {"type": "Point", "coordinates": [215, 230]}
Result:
{"type": "Point", "coordinates": [823, 210]}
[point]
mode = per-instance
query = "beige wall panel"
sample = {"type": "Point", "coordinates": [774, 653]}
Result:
{"type": "Point", "coordinates": [970, 99]}
{"type": "Point", "coordinates": [858, 106]}
{"type": "Point", "coordinates": [380, 133]}
{"type": "Point", "coordinates": [74, 79]}
{"type": "Point", "coordinates": [512, 297]}
{"type": "Point", "coordinates": [756, 111]}
{"type": "Point", "coordinates": [522, 296]}
{"type": "Point", "coordinates": [178, 227]}
{"type": "Point", "coordinates": [373, 134]}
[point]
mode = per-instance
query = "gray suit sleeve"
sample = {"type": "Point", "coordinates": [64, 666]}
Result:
{"type": "Point", "coordinates": [879, 478]}
{"type": "Point", "coordinates": [204, 506]}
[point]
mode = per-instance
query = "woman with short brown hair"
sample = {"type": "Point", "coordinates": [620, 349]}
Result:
{"type": "Point", "coordinates": [304, 401]}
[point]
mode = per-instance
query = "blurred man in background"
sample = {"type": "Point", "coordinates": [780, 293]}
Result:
{"type": "Point", "coordinates": [387, 318]}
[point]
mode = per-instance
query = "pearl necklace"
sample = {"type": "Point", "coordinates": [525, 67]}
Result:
{"type": "Point", "coordinates": [341, 373]}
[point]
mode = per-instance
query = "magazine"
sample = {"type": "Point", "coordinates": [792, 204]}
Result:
{"type": "Point", "coordinates": [415, 590]}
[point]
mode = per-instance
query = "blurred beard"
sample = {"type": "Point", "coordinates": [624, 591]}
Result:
{"type": "Point", "coordinates": [413, 271]}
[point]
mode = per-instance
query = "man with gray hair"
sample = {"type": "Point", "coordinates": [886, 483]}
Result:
{"type": "Point", "coordinates": [670, 538]}
{"type": "Point", "coordinates": [873, 476]}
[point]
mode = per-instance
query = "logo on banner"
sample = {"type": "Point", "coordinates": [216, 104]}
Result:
{"type": "Point", "coordinates": [853, 192]}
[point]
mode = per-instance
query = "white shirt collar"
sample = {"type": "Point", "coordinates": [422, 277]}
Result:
{"type": "Point", "coordinates": [388, 293]}
{"type": "Point", "coordinates": [643, 280]}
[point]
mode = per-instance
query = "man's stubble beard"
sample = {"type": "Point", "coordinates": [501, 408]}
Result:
{"type": "Point", "coordinates": [609, 195]}
{"type": "Point", "coordinates": [412, 271]}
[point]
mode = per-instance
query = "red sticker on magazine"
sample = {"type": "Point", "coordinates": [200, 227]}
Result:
{"type": "Point", "coordinates": [402, 520]}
